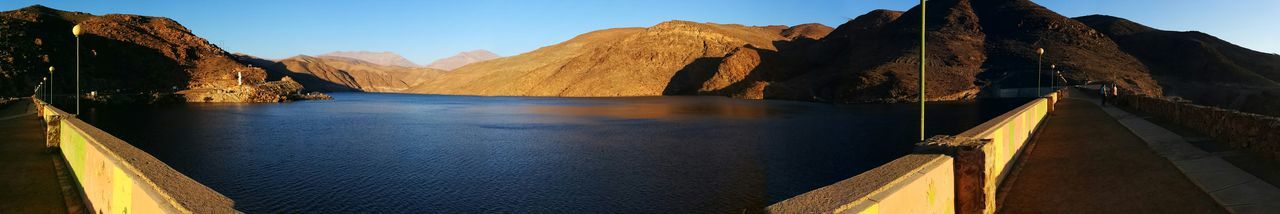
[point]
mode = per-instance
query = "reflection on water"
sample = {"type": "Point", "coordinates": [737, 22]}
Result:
{"type": "Point", "coordinates": [415, 153]}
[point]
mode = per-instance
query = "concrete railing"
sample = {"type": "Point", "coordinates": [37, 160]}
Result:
{"type": "Point", "coordinates": [978, 161]}
{"type": "Point", "coordinates": [116, 177]}
{"type": "Point", "coordinates": [918, 183]}
{"type": "Point", "coordinates": [1255, 133]}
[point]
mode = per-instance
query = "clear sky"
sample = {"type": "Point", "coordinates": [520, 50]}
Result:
{"type": "Point", "coordinates": [423, 31]}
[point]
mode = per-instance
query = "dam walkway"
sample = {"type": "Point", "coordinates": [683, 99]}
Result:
{"type": "Point", "coordinates": [30, 179]}
{"type": "Point", "coordinates": [1089, 158]}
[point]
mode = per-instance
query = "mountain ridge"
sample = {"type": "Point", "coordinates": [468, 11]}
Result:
{"type": "Point", "coordinates": [462, 59]}
{"type": "Point", "coordinates": [123, 54]}
{"type": "Point", "coordinates": [387, 58]}
{"type": "Point", "coordinates": [337, 74]}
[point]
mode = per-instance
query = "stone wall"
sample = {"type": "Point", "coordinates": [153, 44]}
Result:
{"type": "Point", "coordinates": [116, 177]}
{"type": "Point", "coordinates": [1256, 133]}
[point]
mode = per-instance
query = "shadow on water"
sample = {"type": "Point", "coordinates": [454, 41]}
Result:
{"type": "Point", "coordinates": [406, 153]}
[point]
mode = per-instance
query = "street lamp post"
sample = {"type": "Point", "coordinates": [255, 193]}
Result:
{"type": "Point", "coordinates": [1039, 62]}
{"type": "Point", "coordinates": [1064, 79]}
{"type": "Point", "coordinates": [922, 69]}
{"type": "Point", "coordinates": [76, 31]}
{"type": "Point", "coordinates": [1053, 68]}
{"type": "Point", "coordinates": [51, 80]}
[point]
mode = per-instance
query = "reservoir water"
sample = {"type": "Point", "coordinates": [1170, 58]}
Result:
{"type": "Point", "coordinates": [451, 154]}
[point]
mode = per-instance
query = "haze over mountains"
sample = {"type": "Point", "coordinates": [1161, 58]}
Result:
{"type": "Point", "coordinates": [380, 58]}
{"type": "Point", "coordinates": [462, 59]}
{"type": "Point", "coordinates": [974, 46]}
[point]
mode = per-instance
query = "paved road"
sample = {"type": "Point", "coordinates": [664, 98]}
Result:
{"type": "Point", "coordinates": [28, 181]}
{"type": "Point", "coordinates": [1084, 161]}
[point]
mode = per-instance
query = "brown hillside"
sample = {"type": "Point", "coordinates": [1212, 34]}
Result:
{"type": "Point", "coordinates": [381, 58]}
{"type": "Point", "coordinates": [346, 74]}
{"type": "Point", "coordinates": [462, 59]}
{"type": "Point", "coordinates": [1199, 67]}
{"type": "Point", "coordinates": [614, 62]}
{"type": "Point", "coordinates": [973, 45]}
{"type": "Point", "coordinates": [119, 54]}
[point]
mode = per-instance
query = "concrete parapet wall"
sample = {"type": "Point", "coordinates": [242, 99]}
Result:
{"type": "Point", "coordinates": [973, 162]}
{"type": "Point", "coordinates": [116, 177]}
{"type": "Point", "coordinates": [918, 183]}
{"type": "Point", "coordinates": [976, 162]}
{"type": "Point", "coordinates": [985, 154]}
{"type": "Point", "coordinates": [1256, 133]}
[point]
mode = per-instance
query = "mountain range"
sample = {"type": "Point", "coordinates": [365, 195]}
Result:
{"type": "Point", "coordinates": [381, 58]}
{"type": "Point", "coordinates": [873, 58]}
{"type": "Point", "coordinates": [462, 59]}
{"type": "Point", "coordinates": [973, 47]}
{"type": "Point", "coordinates": [329, 73]}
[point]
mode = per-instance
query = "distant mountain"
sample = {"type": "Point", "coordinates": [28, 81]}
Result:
{"type": "Point", "coordinates": [613, 62]}
{"type": "Point", "coordinates": [329, 73]}
{"type": "Point", "coordinates": [120, 54]}
{"type": "Point", "coordinates": [1198, 66]}
{"type": "Point", "coordinates": [462, 59]}
{"type": "Point", "coordinates": [381, 58]}
{"type": "Point", "coordinates": [973, 45]}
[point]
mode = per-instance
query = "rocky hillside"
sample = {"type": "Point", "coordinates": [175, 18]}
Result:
{"type": "Point", "coordinates": [380, 58]}
{"type": "Point", "coordinates": [973, 45]}
{"type": "Point", "coordinates": [120, 54]}
{"type": "Point", "coordinates": [328, 73]}
{"type": "Point", "coordinates": [613, 62]}
{"type": "Point", "coordinates": [462, 59]}
{"type": "Point", "coordinates": [1198, 66]}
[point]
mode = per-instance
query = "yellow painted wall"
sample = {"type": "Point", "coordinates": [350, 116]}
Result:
{"type": "Point", "coordinates": [931, 190]}
{"type": "Point", "coordinates": [108, 184]}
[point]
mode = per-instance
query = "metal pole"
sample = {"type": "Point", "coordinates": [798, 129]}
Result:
{"type": "Point", "coordinates": [1052, 68]}
{"type": "Point", "coordinates": [77, 75]}
{"type": "Point", "coordinates": [51, 92]}
{"type": "Point", "coordinates": [922, 69]}
{"type": "Point", "coordinates": [1039, 63]}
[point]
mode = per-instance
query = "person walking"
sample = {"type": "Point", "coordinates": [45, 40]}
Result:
{"type": "Point", "coordinates": [1115, 94]}
{"type": "Point", "coordinates": [1104, 91]}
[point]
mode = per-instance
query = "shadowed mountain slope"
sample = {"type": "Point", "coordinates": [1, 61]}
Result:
{"type": "Point", "coordinates": [973, 45]}
{"type": "Point", "coordinates": [327, 73]}
{"type": "Point", "coordinates": [613, 62]}
{"type": "Point", "coordinates": [119, 54]}
{"type": "Point", "coordinates": [1198, 66]}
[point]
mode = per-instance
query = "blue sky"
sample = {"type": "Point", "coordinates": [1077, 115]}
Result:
{"type": "Point", "coordinates": [427, 30]}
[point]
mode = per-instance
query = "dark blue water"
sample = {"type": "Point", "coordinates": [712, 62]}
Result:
{"type": "Point", "coordinates": [425, 153]}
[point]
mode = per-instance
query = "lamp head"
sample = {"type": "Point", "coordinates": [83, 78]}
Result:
{"type": "Point", "coordinates": [50, 69]}
{"type": "Point", "coordinates": [1040, 51]}
{"type": "Point", "coordinates": [76, 30]}
{"type": "Point", "coordinates": [1053, 66]}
